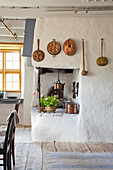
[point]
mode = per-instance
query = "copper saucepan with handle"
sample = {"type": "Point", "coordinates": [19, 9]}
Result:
{"type": "Point", "coordinates": [38, 55]}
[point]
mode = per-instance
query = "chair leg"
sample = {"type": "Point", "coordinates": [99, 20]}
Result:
{"type": "Point", "coordinates": [13, 152]}
{"type": "Point", "coordinates": [4, 162]}
{"type": "Point", "coordinates": [9, 160]}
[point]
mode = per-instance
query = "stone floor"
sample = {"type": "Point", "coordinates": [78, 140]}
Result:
{"type": "Point", "coordinates": [60, 156]}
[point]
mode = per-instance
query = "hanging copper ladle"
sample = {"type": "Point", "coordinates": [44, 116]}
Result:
{"type": "Point", "coordinates": [102, 61]}
{"type": "Point", "coordinates": [84, 72]}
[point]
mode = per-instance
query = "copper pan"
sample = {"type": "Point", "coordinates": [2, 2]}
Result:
{"type": "Point", "coordinates": [38, 55]}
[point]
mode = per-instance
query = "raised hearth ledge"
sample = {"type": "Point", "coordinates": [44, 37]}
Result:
{"type": "Point", "coordinates": [52, 127]}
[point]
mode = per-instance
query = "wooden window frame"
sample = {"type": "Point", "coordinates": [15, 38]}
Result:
{"type": "Point", "coordinates": [11, 48]}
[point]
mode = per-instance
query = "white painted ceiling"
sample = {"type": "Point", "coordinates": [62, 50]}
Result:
{"type": "Point", "coordinates": [35, 3]}
{"type": "Point", "coordinates": [14, 12]}
{"type": "Point", "coordinates": [42, 8]}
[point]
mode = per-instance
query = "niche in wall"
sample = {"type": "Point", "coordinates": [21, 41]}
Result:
{"type": "Point", "coordinates": [49, 76]}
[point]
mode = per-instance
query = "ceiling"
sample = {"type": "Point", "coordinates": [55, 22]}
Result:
{"type": "Point", "coordinates": [35, 3]}
{"type": "Point", "coordinates": [14, 12]}
{"type": "Point", "coordinates": [41, 8]}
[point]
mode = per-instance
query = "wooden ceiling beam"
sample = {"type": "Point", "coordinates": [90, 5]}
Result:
{"type": "Point", "coordinates": [23, 13]}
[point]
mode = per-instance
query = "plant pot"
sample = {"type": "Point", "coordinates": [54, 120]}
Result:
{"type": "Point", "coordinates": [43, 109]}
{"type": "Point", "coordinates": [50, 109]}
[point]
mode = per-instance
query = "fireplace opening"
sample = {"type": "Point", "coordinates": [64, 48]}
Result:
{"type": "Point", "coordinates": [64, 83]}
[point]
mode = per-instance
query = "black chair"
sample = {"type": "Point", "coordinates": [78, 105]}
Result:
{"type": "Point", "coordinates": [5, 151]}
{"type": "Point", "coordinates": [3, 133]}
{"type": "Point", "coordinates": [13, 136]}
{"type": "Point", "coordinates": [17, 105]}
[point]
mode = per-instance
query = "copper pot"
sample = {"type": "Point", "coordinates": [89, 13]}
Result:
{"type": "Point", "coordinates": [58, 85]}
{"type": "Point", "coordinates": [71, 108]}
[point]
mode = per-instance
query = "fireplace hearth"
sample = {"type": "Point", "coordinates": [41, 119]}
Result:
{"type": "Point", "coordinates": [60, 82]}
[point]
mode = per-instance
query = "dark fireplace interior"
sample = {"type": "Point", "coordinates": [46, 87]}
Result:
{"type": "Point", "coordinates": [64, 83]}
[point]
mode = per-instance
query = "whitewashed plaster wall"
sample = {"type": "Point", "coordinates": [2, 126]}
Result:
{"type": "Point", "coordinates": [6, 109]}
{"type": "Point", "coordinates": [95, 120]}
{"type": "Point", "coordinates": [28, 90]}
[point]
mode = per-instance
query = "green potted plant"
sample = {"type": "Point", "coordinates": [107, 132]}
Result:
{"type": "Point", "coordinates": [48, 103]}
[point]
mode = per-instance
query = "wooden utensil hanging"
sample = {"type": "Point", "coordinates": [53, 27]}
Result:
{"type": "Point", "coordinates": [84, 72]}
{"type": "Point", "coordinates": [38, 55]}
{"type": "Point", "coordinates": [102, 61]}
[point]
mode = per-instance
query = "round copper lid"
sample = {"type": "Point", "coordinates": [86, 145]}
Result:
{"type": "Point", "coordinates": [69, 47]}
{"type": "Point", "coordinates": [54, 47]}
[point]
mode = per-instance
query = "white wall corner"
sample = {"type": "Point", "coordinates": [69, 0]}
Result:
{"type": "Point", "coordinates": [27, 60]}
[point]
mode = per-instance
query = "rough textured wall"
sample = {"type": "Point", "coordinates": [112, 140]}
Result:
{"type": "Point", "coordinates": [6, 109]}
{"type": "Point", "coordinates": [95, 121]}
{"type": "Point", "coordinates": [28, 89]}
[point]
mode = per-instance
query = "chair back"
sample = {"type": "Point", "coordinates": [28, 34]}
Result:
{"type": "Point", "coordinates": [9, 132]}
{"type": "Point", "coordinates": [17, 105]}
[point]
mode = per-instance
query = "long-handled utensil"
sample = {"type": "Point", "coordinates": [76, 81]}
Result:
{"type": "Point", "coordinates": [102, 61]}
{"type": "Point", "coordinates": [84, 72]}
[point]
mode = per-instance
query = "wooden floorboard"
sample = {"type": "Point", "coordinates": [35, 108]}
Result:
{"type": "Point", "coordinates": [49, 146]}
{"type": "Point", "coordinates": [62, 147]}
{"type": "Point", "coordinates": [34, 160]}
{"type": "Point", "coordinates": [26, 136]}
{"type": "Point", "coordinates": [22, 151]}
{"type": "Point", "coordinates": [37, 156]}
{"type": "Point", "coordinates": [108, 147]}
{"type": "Point", "coordinates": [18, 135]}
{"type": "Point", "coordinates": [79, 147]}
{"type": "Point", "coordinates": [95, 147]}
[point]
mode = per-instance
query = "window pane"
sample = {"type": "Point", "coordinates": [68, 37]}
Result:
{"type": "Point", "coordinates": [9, 56]}
{"type": "Point", "coordinates": [9, 86]}
{"type": "Point", "coordinates": [16, 77]}
{"type": "Point", "coordinates": [0, 64]}
{"type": "Point", "coordinates": [0, 77]}
{"type": "Point", "coordinates": [12, 81]}
{"type": "Point", "coordinates": [1, 59]}
{"type": "Point", "coordinates": [12, 60]}
{"type": "Point", "coordinates": [15, 65]}
{"type": "Point", "coordinates": [9, 65]}
{"type": "Point", "coordinates": [15, 86]}
{"type": "Point", "coordinates": [0, 81]}
{"type": "Point", "coordinates": [16, 56]}
{"type": "Point", "coordinates": [1, 56]}
{"type": "Point", "coordinates": [9, 77]}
